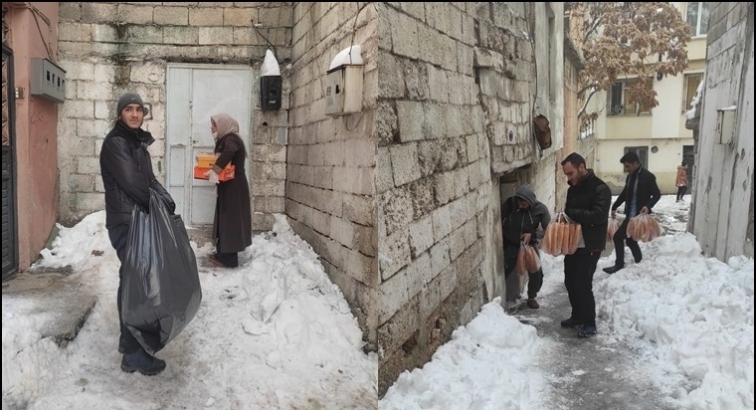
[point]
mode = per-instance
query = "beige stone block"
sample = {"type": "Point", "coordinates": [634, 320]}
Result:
{"type": "Point", "coordinates": [421, 235]}
{"type": "Point", "coordinates": [81, 183]}
{"type": "Point", "coordinates": [411, 118]}
{"type": "Point", "coordinates": [385, 173]}
{"type": "Point", "coordinates": [270, 17]}
{"type": "Point", "coordinates": [216, 35]}
{"type": "Point", "coordinates": [135, 14]}
{"type": "Point", "coordinates": [98, 12]}
{"type": "Point", "coordinates": [366, 239]}
{"type": "Point", "coordinates": [418, 274]}
{"type": "Point", "coordinates": [358, 209]}
{"type": "Point", "coordinates": [434, 123]}
{"type": "Point", "coordinates": [88, 165]}
{"type": "Point", "coordinates": [93, 91]}
{"type": "Point", "coordinates": [143, 35]}
{"type": "Point", "coordinates": [360, 267]}
{"type": "Point", "coordinates": [202, 17]}
{"type": "Point", "coordinates": [246, 36]}
{"type": "Point", "coordinates": [405, 163]}
{"type": "Point", "coordinates": [69, 11]}
{"type": "Point", "coordinates": [148, 73]}
{"type": "Point", "coordinates": [90, 202]}
{"type": "Point", "coordinates": [342, 231]}
{"type": "Point", "coordinates": [440, 259]}
{"type": "Point", "coordinates": [171, 16]}
{"type": "Point", "coordinates": [74, 32]}
{"type": "Point", "coordinates": [392, 295]}
{"type": "Point", "coordinates": [404, 35]}
{"type": "Point", "coordinates": [395, 253]}
{"type": "Point", "coordinates": [77, 70]}
{"type": "Point", "coordinates": [438, 83]}
{"type": "Point", "coordinates": [441, 222]}
{"type": "Point", "coordinates": [77, 109]}
{"type": "Point", "coordinates": [241, 17]}
{"type": "Point", "coordinates": [359, 152]}
{"type": "Point", "coordinates": [390, 77]}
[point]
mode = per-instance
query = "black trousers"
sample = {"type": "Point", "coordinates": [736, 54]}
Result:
{"type": "Point", "coordinates": [118, 238]}
{"type": "Point", "coordinates": [578, 279]}
{"type": "Point", "coordinates": [535, 280]}
{"type": "Point", "coordinates": [620, 237]}
{"type": "Point", "coordinates": [681, 190]}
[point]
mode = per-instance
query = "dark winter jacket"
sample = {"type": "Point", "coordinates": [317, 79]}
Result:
{"type": "Point", "coordinates": [648, 191]}
{"type": "Point", "coordinates": [516, 222]}
{"type": "Point", "coordinates": [127, 174]}
{"type": "Point", "coordinates": [588, 204]}
{"type": "Point", "coordinates": [232, 225]}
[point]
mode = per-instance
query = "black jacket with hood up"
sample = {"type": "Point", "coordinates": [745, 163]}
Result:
{"type": "Point", "coordinates": [515, 221]}
{"type": "Point", "coordinates": [127, 174]}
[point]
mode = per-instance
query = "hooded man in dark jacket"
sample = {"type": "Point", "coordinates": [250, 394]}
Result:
{"type": "Point", "coordinates": [127, 176]}
{"type": "Point", "coordinates": [640, 194]}
{"type": "Point", "coordinates": [521, 216]}
{"type": "Point", "coordinates": [588, 201]}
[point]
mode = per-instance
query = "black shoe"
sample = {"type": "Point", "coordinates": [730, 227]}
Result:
{"type": "Point", "coordinates": [612, 269]}
{"type": "Point", "coordinates": [142, 362]}
{"type": "Point", "coordinates": [569, 323]}
{"type": "Point", "coordinates": [638, 259]}
{"type": "Point", "coordinates": [587, 331]}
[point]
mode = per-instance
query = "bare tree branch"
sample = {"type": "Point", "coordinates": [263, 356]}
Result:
{"type": "Point", "coordinates": [587, 100]}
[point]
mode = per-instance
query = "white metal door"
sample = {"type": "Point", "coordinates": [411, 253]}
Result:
{"type": "Point", "coordinates": [195, 92]}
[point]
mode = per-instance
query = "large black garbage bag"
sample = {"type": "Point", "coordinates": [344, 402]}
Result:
{"type": "Point", "coordinates": [161, 289]}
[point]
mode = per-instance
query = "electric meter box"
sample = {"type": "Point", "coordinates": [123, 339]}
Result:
{"type": "Point", "coordinates": [48, 80]}
{"type": "Point", "coordinates": [343, 92]}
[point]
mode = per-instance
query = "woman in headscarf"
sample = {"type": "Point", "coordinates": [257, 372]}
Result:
{"type": "Point", "coordinates": [232, 225]}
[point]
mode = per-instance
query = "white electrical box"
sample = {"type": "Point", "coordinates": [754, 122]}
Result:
{"type": "Point", "coordinates": [725, 124]}
{"type": "Point", "coordinates": [343, 92]}
{"type": "Point", "coordinates": [48, 80]}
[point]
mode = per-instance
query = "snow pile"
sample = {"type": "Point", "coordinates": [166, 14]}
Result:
{"type": "Point", "coordinates": [488, 364]}
{"type": "Point", "coordinates": [76, 247]}
{"type": "Point", "coordinates": [273, 333]}
{"type": "Point", "coordinates": [694, 317]}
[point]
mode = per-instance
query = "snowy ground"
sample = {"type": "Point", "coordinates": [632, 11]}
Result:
{"type": "Point", "coordinates": [272, 334]}
{"type": "Point", "coordinates": [675, 331]}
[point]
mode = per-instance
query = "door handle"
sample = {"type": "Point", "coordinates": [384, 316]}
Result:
{"type": "Point", "coordinates": [178, 146]}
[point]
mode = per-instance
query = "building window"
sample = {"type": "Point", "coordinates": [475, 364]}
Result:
{"type": "Point", "coordinates": [642, 154]}
{"type": "Point", "coordinates": [691, 87]}
{"type": "Point", "coordinates": [620, 102]}
{"type": "Point", "coordinates": [698, 18]}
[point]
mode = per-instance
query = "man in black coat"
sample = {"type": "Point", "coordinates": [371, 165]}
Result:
{"type": "Point", "coordinates": [127, 176]}
{"type": "Point", "coordinates": [640, 195]}
{"type": "Point", "coordinates": [588, 201]}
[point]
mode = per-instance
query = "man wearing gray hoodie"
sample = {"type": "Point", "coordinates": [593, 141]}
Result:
{"type": "Point", "coordinates": [521, 217]}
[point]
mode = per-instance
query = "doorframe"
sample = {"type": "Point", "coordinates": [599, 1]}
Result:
{"type": "Point", "coordinates": [12, 204]}
{"type": "Point", "coordinates": [167, 156]}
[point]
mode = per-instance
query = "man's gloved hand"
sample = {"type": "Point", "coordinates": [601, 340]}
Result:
{"type": "Point", "coordinates": [212, 176]}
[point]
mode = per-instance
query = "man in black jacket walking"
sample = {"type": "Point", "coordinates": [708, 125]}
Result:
{"type": "Point", "coordinates": [640, 194]}
{"type": "Point", "coordinates": [588, 200]}
{"type": "Point", "coordinates": [127, 176]}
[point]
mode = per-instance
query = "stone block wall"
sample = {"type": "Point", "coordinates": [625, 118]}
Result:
{"type": "Point", "coordinates": [111, 48]}
{"type": "Point", "coordinates": [330, 189]}
{"type": "Point", "coordinates": [457, 90]}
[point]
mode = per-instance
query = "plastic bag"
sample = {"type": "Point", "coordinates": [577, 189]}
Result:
{"type": "Point", "coordinates": [532, 261]}
{"type": "Point", "coordinates": [563, 236]}
{"type": "Point", "coordinates": [611, 229]}
{"type": "Point", "coordinates": [161, 287]}
{"type": "Point", "coordinates": [643, 228]}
